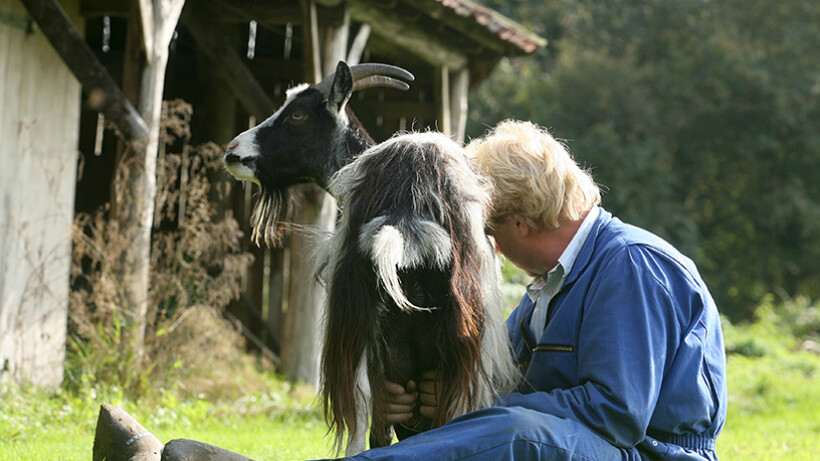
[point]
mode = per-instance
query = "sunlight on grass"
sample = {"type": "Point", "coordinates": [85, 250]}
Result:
{"type": "Point", "coordinates": [773, 414]}
{"type": "Point", "coordinates": [280, 424]}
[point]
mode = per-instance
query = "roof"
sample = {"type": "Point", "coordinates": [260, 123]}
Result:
{"type": "Point", "coordinates": [499, 25]}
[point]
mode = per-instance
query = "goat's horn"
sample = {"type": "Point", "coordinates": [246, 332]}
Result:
{"type": "Point", "coordinates": [361, 71]}
{"type": "Point", "coordinates": [379, 80]}
{"type": "Point", "coordinates": [371, 75]}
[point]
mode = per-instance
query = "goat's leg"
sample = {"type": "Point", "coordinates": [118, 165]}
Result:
{"type": "Point", "coordinates": [376, 441]}
{"type": "Point", "coordinates": [357, 439]}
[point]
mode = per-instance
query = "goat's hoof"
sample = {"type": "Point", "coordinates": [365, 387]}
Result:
{"type": "Point", "coordinates": [119, 437]}
{"type": "Point", "coordinates": [191, 450]}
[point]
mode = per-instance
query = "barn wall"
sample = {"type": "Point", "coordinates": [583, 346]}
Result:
{"type": "Point", "coordinates": [39, 126]}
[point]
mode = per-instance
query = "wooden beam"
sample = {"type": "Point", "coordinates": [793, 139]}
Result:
{"type": "Point", "coordinates": [264, 13]}
{"type": "Point", "coordinates": [272, 13]}
{"type": "Point", "coordinates": [104, 94]}
{"type": "Point", "coordinates": [146, 15]}
{"type": "Point", "coordinates": [484, 26]}
{"type": "Point", "coordinates": [396, 109]}
{"type": "Point", "coordinates": [407, 35]}
{"type": "Point", "coordinates": [354, 56]}
{"type": "Point", "coordinates": [312, 48]}
{"type": "Point", "coordinates": [97, 8]}
{"type": "Point", "coordinates": [335, 48]}
{"type": "Point", "coordinates": [228, 64]}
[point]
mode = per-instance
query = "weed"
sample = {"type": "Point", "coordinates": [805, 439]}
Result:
{"type": "Point", "coordinates": [196, 267]}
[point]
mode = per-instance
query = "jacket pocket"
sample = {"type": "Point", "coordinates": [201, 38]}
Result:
{"type": "Point", "coordinates": [552, 366]}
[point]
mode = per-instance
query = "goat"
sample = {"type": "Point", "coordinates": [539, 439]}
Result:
{"type": "Point", "coordinates": [412, 286]}
{"type": "Point", "coordinates": [308, 139]}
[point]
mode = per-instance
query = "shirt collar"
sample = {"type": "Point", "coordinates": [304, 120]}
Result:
{"type": "Point", "coordinates": [567, 258]}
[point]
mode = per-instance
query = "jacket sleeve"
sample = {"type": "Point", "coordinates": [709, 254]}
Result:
{"type": "Point", "coordinates": [628, 334]}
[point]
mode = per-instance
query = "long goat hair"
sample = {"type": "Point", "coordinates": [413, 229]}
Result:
{"type": "Point", "coordinates": [412, 286]}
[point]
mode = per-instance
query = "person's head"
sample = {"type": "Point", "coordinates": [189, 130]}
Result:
{"type": "Point", "coordinates": [533, 176]}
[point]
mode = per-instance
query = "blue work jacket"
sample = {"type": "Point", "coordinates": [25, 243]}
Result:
{"type": "Point", "coordinates": [632, 348]}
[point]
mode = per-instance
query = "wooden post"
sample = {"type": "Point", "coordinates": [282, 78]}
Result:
{"type": "Point", "coordinates": [158, 19]}
{"type": "Point", "coordinates": [301, 337]}
{"type": "Point", "coordinates": [104, 93]}
{"type": "Point", "coordinates": [442, 88]}
{"type": "Point", "coordinates": [354, 56]}
{"type": "Point", "coordinates": [459, 87]}
{"type": "Point", "coordinates": [229, 65]}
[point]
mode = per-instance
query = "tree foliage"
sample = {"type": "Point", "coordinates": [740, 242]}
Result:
{"type": "Point", "coordinates": [701, 120]}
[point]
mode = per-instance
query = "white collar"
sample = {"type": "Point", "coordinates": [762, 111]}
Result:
{"type": "Point", "coordinates": [568, 257]}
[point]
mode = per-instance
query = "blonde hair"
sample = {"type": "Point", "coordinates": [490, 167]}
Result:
{"type": "Point", "coordinates": [533, 175]}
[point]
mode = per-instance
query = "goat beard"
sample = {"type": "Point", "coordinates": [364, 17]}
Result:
{"type": "Point", "coordinates": [268, 216]}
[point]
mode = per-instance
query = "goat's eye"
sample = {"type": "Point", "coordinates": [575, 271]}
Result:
{"type": "Point", "coordinates": [298, 116]}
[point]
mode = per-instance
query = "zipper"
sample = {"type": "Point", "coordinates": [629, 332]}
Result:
{"type": "Point", "coordinates": [553, 348]}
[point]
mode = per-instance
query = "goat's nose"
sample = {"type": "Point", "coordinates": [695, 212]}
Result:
{"type": "Point", "coordinates": [233, 145]}
{"type": "Point", "coordinates": [230, 157]}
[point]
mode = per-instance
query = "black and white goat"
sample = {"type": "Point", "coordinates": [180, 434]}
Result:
{"type": "Point", "coordinates": [308, 139]}
{"type": "Point", "coordinates": [412, 286]}
{"type": "Point", "coordinates": [424, 269]}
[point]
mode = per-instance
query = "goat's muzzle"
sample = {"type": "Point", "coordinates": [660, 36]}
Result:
{"type": "Point", "coordinates": [230, 157]}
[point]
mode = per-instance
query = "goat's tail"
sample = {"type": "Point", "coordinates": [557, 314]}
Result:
{"type": "Point", "coordinates": [404, 245]}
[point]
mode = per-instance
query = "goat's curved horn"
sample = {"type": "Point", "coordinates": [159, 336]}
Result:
{"type": "Point", "coordinates": [379, 80]}
{"type": "Point", "coordinates": [361, 71]}
{"type": "Point", "coordinates": [371, 75]}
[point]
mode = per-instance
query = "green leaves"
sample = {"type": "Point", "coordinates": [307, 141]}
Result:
{"type": "Point", "coordinates": [700, 119]}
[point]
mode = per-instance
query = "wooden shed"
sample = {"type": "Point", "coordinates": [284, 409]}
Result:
{"type": "Point", "coordinates": [232, 61]}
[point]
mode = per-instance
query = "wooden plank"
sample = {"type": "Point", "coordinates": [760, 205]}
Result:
{"type": "Point", "coordinates": [104, 92]}
{"type": "Point", "coordinates": [145, 10]}
{"type": "Point", "coordinates": [396, 109]}
{"type": "Point", "coordinates": [354, 55]}
{"type": "Point", "coordinates": [227, 63]}
{"type": "Point", "coordinates": [484, 26]}
{"type": "Point", "coordinates": [407, 35]}
{"type": "Point", "coordinates": [273, 13]}
{"type": "Point", "coordinates": [40, 102]}
{"type": "Point", "coordinates": [276, 296]}
{"type": "Point", "coordinates": [336, 44]}
{"type": "Point", "coordinates": [97, 8]}
{"type": "Point", "coordinates": [312, 48]}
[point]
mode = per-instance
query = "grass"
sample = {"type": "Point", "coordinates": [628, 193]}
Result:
{"type": "Point", "coordinates": [774, 408]}
{"type": "Point", "coordinates": [280, 424]}
{"type": "Point", "coordinates": [774, 386]}
{"type": "Point", "coordinates": [773, 414]}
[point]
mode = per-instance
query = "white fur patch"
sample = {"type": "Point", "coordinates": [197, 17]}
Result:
{"type": "Point", "coordinates": [391, 250]}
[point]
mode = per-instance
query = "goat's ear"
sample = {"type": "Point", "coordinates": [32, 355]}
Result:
{"type": "Point", "coordinates": [341, 89]}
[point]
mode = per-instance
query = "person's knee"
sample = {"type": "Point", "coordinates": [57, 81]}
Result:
{"type": "Point", "coordinates": [516, 422]}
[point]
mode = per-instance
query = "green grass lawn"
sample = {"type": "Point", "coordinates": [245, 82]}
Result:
{"type": "Point", "coordinates": [281, 424]}
{"type": "Point", "coordinates": [773, 413]}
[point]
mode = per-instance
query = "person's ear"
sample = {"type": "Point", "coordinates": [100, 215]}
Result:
{"type": "Point", "coordinates": [521, 225]}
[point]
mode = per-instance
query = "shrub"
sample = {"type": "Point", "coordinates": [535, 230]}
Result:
{"type": "Point", "coordinates": [196, 269]}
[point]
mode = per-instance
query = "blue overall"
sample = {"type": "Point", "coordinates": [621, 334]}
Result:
{"type": "Point", "coordinates": [631, 366]}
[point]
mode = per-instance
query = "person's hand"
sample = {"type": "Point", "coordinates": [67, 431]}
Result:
{"type": "Point", "coordinates": [401, 400]}
{"type": "Point", "coordinates": [429, 389]}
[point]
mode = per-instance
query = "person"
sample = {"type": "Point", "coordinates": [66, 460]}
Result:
{"type": "Point", "coordinates": [617, 335]}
